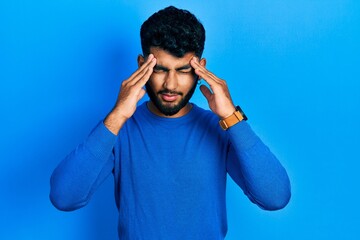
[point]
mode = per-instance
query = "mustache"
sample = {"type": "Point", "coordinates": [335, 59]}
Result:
{"type": "Point", "coordinates": [166, 91]}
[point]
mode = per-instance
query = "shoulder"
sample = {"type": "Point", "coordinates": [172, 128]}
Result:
{"type": "Point", "coordinates": [205, 114]}
{"type": "Point", "coordinates": [208, 120]}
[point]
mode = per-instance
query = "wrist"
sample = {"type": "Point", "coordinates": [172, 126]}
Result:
{"type": "Point", "coordinates": [237, 116]}
{"type": "Point", "coordinates": [114, 121]}
{"type": "Point", "coordinates": [228, 113]}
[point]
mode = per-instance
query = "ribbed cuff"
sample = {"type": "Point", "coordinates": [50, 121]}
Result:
{"type": "Point", "coordinates": [100, 141]}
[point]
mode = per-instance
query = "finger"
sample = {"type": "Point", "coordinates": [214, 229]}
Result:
{"type": "Point", "coordinates": [198, 65]}
{"type": "Point", "coordinates": [142, 81]}
{"type": "Point", "coordinates": [144, 65]}
{"type": "Point", "coordinates": [203, 72]}
{"type": "Point", "coordinates": [206, 77]}
{"type": "Point", "coordinates": [141, 69]}
{"type": "Point", "coordinates": [206, 92]}
{"type": "Point", "coordinates": [144, 72]}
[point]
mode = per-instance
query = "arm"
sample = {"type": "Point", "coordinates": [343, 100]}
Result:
{"type": "Point", "coordinates": [250, 162]}
{"type": "Point", "coordinates": [78, 176]}
{"type": "Point", "coordinates": [256, 170]}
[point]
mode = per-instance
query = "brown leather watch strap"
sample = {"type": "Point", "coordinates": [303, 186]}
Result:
{"type": "Point", "coordinates": [231, 120]}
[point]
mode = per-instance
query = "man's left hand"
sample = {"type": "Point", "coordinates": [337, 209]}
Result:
{"type": "Point", "coordinates": [219, 98]}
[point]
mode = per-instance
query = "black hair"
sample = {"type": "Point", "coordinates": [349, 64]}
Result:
{"type": "Point", "coordinates": [174, 30]}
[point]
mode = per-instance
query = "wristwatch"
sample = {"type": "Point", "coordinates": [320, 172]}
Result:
{"type": "Point", "coordinates": [233, 119]}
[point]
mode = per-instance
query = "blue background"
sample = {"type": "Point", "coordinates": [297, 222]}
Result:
{"type": "Point", "coordinates": [293, 66]}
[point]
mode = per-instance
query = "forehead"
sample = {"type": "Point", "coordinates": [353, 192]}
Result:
{"type": "Point", "coordinates": [165, 59]}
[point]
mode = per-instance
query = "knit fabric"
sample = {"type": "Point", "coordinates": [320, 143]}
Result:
{"type": "Point", "coordinates": [170, 174]}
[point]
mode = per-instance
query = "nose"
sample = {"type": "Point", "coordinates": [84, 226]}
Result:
{"type": "Point", "coordinates": [170, 82]}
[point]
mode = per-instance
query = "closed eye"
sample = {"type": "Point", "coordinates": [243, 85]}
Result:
{"type": "Point", "coordinates": [158, 70]}
{"type": "Point", "coordinates": [186, 70]}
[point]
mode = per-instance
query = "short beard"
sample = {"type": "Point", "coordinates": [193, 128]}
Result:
{"type": "Point", "coordinates": [169, 110]}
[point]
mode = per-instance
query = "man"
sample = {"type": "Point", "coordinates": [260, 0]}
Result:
{"type": "Point", "coordinates": [169, 157]}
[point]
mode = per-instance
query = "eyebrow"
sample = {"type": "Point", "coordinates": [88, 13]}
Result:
{"type": "Point", "coordinates": [185, 67]}
{"type": "Point", "coordinates": [160, 67]}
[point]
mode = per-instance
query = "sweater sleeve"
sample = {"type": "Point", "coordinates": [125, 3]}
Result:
{"type": "Point", "coordinates": [256, 170]}
{"type": "Point", "coordinates": [77, 176]}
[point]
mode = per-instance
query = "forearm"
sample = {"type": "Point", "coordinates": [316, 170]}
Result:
{"type": "Point", "coordinates": [264, 178]}
{"type": "Point", "coordinates": [83, 170]}
{"type": "Point", "coordinates": [114, 121]}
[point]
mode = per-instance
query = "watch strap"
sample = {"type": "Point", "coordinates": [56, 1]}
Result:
{"type": "Point", "coordinates": [233, 119]}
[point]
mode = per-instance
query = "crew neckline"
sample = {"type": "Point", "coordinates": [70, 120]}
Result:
{"type": "Point", "coordinates": [187, 117]}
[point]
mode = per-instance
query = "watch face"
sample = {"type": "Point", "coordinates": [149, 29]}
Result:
{"type": "Point", "coordinates": [238, 108]}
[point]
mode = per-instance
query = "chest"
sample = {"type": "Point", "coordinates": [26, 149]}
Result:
{"type": "Point", "coordinates": [172, 158]}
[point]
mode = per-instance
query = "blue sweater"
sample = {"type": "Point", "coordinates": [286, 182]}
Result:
{"type": "Point", "coordinates": [170, 174]}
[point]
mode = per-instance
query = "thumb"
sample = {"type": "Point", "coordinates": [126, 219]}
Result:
{"type": "Point", "coordinates": [206, 91]}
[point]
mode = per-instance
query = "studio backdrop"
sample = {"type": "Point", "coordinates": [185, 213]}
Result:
{"type": "Point", "coordinates": [293, 66]}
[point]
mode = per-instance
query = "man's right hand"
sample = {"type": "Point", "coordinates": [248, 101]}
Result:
{"type": "Point", "coordinates": [131, 92]}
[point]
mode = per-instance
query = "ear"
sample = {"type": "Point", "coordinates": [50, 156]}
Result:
{"type": "Point", "coordinates": [140, 60]}
{"type": "Point", "coordinates": [203, 62]}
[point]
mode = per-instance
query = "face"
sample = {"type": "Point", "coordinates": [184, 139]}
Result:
{"type": "Point", "coordinates": [171, 84]}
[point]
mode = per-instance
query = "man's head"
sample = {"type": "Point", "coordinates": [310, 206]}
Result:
{"type": "Point", "coordinates": [174, 30]}
{"type": "Point", "coordinates": [174, 36]}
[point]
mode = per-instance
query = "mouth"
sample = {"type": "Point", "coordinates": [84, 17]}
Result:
{"type": "Point", "coordinates": [168, 97]}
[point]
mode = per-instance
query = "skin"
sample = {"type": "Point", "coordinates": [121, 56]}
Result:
{"type": "Point", "coordinates": [173, 75]}
{"type": "Point", "coordinates": [177, 75]}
